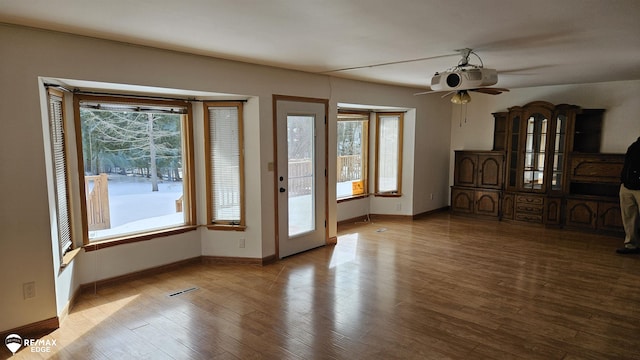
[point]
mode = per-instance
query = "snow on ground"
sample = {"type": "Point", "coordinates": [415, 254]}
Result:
{"type": "Point", "coordinates": [134, 207]}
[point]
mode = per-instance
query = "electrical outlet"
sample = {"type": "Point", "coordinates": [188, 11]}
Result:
{"type": "Point", "coordinates": [431, 196]}
{"type": "Point", "coordinates": [399, 207]}
{"type": "Point", "coordinates": [241, 243]}
{"type": "Point", "coordinates": [29, 290]}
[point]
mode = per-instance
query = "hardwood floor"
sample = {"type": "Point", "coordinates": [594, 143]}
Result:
{"type": "Point", "coordinates": [440, 287]}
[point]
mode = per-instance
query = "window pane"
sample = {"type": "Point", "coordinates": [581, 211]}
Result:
{"type": "Point", "coordinates": [224, 142]}
{"type": "Point", "coordinates": [301, 163]}
{"type": "Point", "coordinates": [388, 161]}
{"type": "Point", "coordinates": [351, 168]}
{"type": "Point", "coordinates": [133, 166]}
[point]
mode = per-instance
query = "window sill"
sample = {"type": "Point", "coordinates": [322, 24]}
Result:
{"type": "Point", "coordinates": [389, 194]}
{"type": "Point", "coordinates": [69, 256]}
{"type": "Point", "coordinates": [101, 244]}
{"type": "Point", "coordinates": [225, 227]}
{"type": "Point", "coordinates": [355, 197]}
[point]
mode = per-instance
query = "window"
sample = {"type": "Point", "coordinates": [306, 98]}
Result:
{"type": "Point", "coordinates": [135, 159]}
{"type": "Point", "coordinates": [225, 169]}
{"type": "Point", "coordinates": [353, 135]}
{"type": "Point", "coordinates": [56, 128]}
{"type": "Point", "coordinates": [388, 154]}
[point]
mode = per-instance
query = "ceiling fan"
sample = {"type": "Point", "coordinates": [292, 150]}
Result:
{"type": "Point", "coordinates": [463, 78]}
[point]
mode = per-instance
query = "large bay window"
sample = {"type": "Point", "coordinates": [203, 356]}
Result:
{"type": "Point", "coordinates": [136, 161]}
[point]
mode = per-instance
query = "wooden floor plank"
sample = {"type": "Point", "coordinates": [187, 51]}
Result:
{"type": "Point", "coordinates": [440, 287]}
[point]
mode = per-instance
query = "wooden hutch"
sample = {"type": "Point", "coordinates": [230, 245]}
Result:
{"type": "Point", "coordinates": [545, 168]}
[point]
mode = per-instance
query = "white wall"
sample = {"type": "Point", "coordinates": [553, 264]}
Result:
{"type": "Point", "coordinates": [27, 240]}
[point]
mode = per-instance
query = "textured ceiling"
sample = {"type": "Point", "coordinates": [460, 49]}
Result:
{"type": "Point", "coordinates": [530, 43]}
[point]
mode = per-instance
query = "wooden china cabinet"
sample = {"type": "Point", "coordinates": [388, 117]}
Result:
{"type": "Point", "coordinates": [545, 168]}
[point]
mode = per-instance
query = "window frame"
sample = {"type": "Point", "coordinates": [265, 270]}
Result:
{"type": "Point", "coordinates": [188, 171]}
{"type": "Point", "coordinates": [397, 192]}
{"type": "Point", "coordinates": [224, 224]}
{"type": "Point", "coordinates": [365, 152]}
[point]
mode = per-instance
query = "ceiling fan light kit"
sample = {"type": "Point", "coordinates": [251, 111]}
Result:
{"type": "Point", "coordinates": [461, 97]}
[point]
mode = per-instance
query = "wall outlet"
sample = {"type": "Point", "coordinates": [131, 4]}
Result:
{"type": "Point", "coordinates": [29, 290]}
{"type": "Point", "coordinates": [399, 207]}
{"type": "Point", "coordinates": [241, 243]}
{"type": "Point", "coordinates": [431, 196]}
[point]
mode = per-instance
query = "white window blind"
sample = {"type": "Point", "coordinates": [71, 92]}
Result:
{"type": "Point", "coordinates": [225, 141]}
{"type": "Point", "coordinates": [56, 126]}
{"type": "Point", "coordinates": [389, 153]}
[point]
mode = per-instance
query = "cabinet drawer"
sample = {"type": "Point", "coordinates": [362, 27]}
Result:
{"type": "Point", "coordinates": [529, 218]}
{"type": "Point", "coordinates": [529, 199]}
{"type": "Point", "coordinates": [529, 208]}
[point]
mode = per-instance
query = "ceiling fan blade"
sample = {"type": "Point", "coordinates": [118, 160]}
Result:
{"type": "Point", "coordinates": [424, 93]}
{"type": "Point", "coordinates": [487, 91]}
{"type": "Point", "coordinates": [447, 94]}
{"type": "Point", "coordinates": [491, 91]}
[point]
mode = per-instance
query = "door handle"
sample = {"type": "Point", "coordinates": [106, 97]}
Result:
{"type": "Point", "coordinates": [282, 189]}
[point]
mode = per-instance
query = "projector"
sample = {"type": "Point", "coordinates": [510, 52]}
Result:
{"type": "Point", "coordinates": [464, 79]}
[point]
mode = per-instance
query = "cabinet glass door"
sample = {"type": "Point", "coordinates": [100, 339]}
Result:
{"type": "Point", "coordinates": [534, 155]}
{"type": "Point", "coordinates": [557, 174]}
{"type": "Point", "coordinates": [513, 151]}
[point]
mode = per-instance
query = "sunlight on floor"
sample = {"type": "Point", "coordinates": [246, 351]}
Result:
{"type": "Point", "coordinates": [345, 251]}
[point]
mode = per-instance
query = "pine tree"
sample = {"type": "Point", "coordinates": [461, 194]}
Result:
{"type": "Point", "coordinates": [131, 139]}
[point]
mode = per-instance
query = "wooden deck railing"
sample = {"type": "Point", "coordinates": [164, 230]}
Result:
{"type": "Point", "coordinates": [300, 176]}
{"type": "Point", "coordinates": [349, 168]}
{"type": "Point", "coordinates": [96, 188]}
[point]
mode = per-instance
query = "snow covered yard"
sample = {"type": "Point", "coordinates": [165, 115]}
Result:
{"type": "Point", "coordinates": [134, 207]}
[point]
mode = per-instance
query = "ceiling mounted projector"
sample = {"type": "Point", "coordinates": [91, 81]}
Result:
{"type": "Point", "coordinates": [464, 79]}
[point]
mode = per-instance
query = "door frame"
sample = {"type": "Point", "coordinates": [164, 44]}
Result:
{"type": "Point", "coordinates": [275, 99]}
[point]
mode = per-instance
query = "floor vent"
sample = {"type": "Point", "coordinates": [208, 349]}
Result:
{"type": "Point", "coordinates": [183, 291]}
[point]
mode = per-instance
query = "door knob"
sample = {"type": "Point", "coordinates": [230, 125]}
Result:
{"type": "Point", "coordinates": [282, 189]}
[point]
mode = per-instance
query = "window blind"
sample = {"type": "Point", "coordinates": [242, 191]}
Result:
{"type": "Point", "coordinates": [224, 142]}
{"type": "Point", "coordinates": [389, 127]}
{"type": "Point", "coordinates": [63, 214]}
